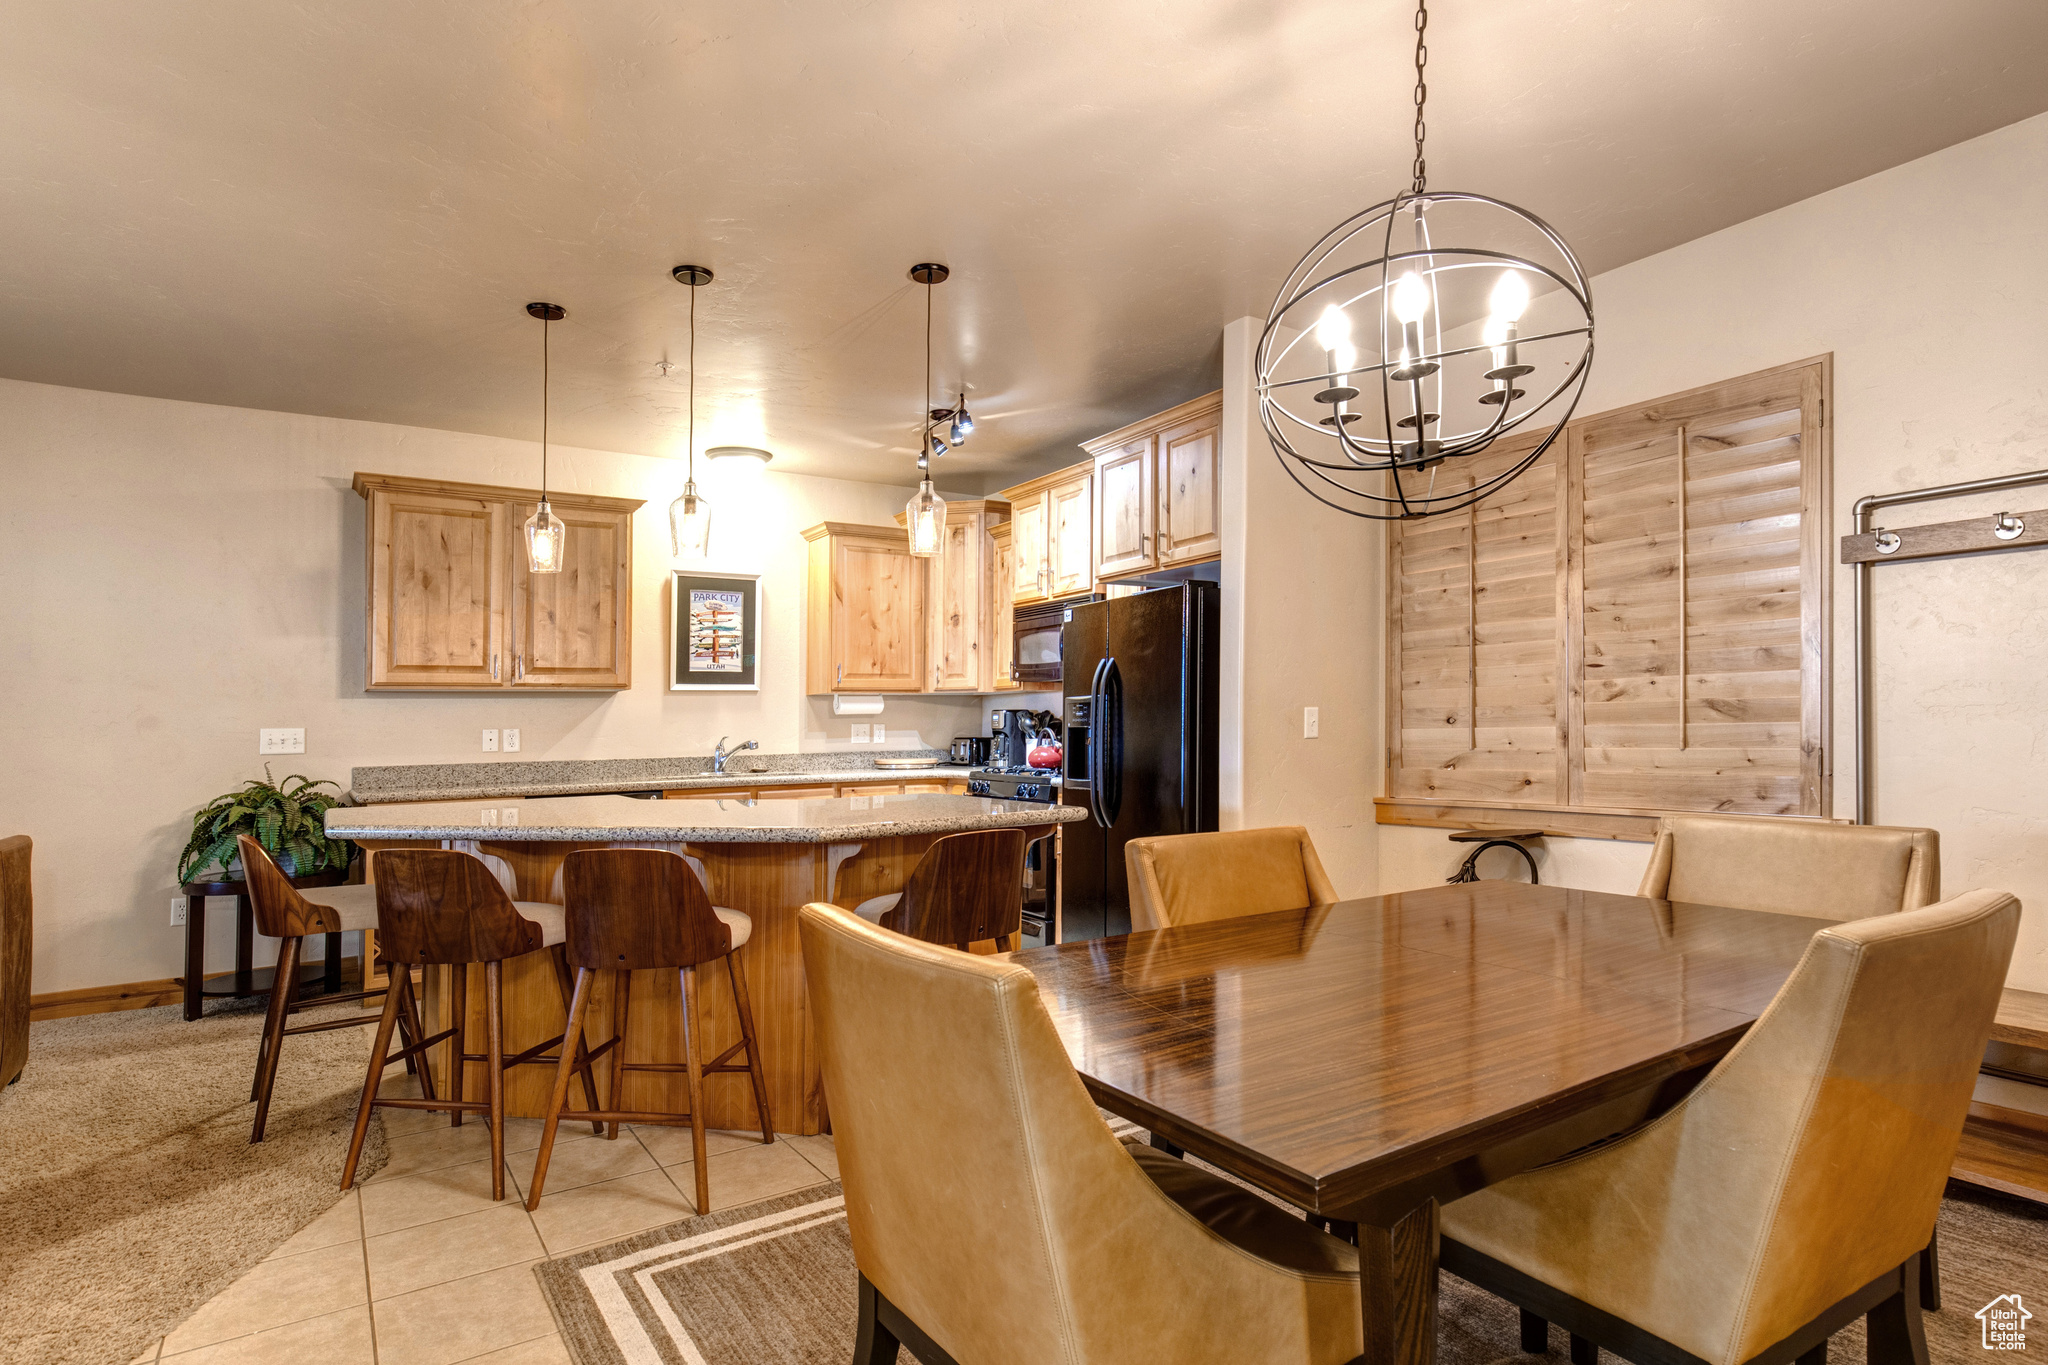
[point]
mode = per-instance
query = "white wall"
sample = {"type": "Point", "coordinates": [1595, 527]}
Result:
{"type": "Point", "coordinates": [1929, 283]}
{"type": "Point", "coordinates": [179, 575]}
{"type": "Point", "coordinates": [1299, 630]}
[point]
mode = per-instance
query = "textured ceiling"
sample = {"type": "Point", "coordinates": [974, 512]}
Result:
{"type": "Point", "coordinates": [342, 208]}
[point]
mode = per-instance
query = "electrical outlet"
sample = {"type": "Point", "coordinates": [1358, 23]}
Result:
{"type": "Point", "coordinates": [280, 741]}
{"type": "Point", "coordinates": [490, 741]}
{"type": "Point", "coordinates": [880, 734]}
{"type": "Point", "coordinates": [177, 912]}
{"type": "Point", "coordinates": [511, 741]}
{"type": "Point", "coordinates": [860, 734]}
{"type": "Point", "coordinates": [1311, 721]}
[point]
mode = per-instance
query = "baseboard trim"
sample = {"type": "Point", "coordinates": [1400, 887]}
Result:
{"type": "Point", "coordinates": [129, 995]}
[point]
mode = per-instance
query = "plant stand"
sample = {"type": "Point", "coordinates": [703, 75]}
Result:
{"type": "Point", "coordinates": [324, 977]}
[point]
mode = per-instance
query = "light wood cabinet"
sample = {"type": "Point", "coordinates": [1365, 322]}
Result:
{"type": "Point", "coordinates": [1003, 608]}
{"type": "Point", "coordinates": [1071, 538]}
{"type": "Point", "coordinates": [961, 593]}
{"type": "Point", "coordinates": [1189, 511]}
{"type": "Point", "coordinates": [1123, 499]}
{"type": "Point", "coordinates": [864, 627]}
{"type": "Point", "coordinates": [1053, 535]}
{"type": "Point", "coordinates": [451, 604]}
{"type": "Point", "coordinates": [1157, 494]}
{"type": "Point", "coordinates": [571, 629]}
{"type": "Point", "coordinates": [1029, 545]}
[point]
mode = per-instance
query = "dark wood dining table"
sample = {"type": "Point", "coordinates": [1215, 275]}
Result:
{"type": "Point", "coordinates": [1370, 1060]}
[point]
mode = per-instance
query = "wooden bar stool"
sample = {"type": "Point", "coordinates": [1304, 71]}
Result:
{"type": "Point", "coordinates": [635, 909]}
{"type": "Point", "coordinates": [966, 888]}
{"type": "Point", "coordinates": [289, 915]}
{"type": "Point", "coordinates": [441, 908]}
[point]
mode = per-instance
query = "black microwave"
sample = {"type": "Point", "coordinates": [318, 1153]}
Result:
{"type": "Point", "coordinates": [1037, 640]}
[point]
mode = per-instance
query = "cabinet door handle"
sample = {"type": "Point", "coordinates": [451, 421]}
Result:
{"type": "Point", "coordinates": [494, 668]}
{"type": "Point", "coordinates": [518, 668]}
{"type": "Point", "coordinates": [840, 676]}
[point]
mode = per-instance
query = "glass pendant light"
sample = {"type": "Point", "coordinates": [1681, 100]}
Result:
{"type": "Point", "coordinates": [925, 514]}
{"type": "Point", "coordinates": [544, 530]}
{"type": "Point", "coordinates": [689, 517]}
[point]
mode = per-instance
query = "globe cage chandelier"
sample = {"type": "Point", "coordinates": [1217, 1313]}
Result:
{"type": "Point", "coordinates": [924, 516]}
{"type": "Point", "coordinates": [1386, 470]}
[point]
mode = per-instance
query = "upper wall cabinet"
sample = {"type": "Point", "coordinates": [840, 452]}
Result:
{"type": "Point", "coordinates": [1156, 491]}
{"type": "Point", "coordinates": [451, 604]}
{"type": "Point", "coordinates": [864, 627]}
{"type": "Point", "coordinates": [1052, 535]}
{"type": "Point", "coordinates": [960, 595]}
{"type": "Point", "coordinates": [1003, 627]}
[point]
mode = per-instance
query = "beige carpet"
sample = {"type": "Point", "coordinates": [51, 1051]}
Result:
{"type": "Point", "coordinates": [129, 1193]}
{"type": "Point", "coordinates": [773, 1283]}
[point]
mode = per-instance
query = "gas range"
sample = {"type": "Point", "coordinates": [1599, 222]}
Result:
{"type": "Point", "coordinates": [1015, 784]}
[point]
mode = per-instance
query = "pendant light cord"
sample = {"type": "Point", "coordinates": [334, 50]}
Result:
{"type": "Point", "coordinates": [544, 409]}
{"type": "Point", "coordinates": [693, 387]}
{"type": "Point", "coordinates": [1421, 92]}
{"type": "Point", "coordinates": [924, 400]}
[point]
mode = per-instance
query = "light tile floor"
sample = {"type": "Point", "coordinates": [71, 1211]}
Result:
{"type": "Point", "coordinates": [418, 1266]}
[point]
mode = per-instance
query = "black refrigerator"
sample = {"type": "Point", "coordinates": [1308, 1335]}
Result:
{"type": "Point", "coordinates": [1139, 677]}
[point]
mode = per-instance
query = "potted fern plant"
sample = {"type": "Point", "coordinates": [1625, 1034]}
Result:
{"type": "Point", "coordinates": [283, 817]}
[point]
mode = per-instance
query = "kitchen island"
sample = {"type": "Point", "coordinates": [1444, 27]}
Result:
{"type": "Point", "coordinates": [763, 856]}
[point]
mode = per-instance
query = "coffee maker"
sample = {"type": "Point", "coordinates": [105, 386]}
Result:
{"type": "Point", "coordinates": [1012, 732]}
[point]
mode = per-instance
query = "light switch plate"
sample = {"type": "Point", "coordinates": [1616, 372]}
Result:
{"type": "Point", "coordinates": [280, 741]}
{"type": "Point", "coordinates": [860, 734]}
{"type": "Point", "coordinates": [490, 741]}
{"type": "Point", "coordinates": [511, 741]}
{"type": "Point", "coordinates": [1311, 721]}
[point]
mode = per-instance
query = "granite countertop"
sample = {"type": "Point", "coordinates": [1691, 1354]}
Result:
{"type": "Point", "coordinates": [805, 820]}
{"type": "Point", "coordinates": [579, 777]}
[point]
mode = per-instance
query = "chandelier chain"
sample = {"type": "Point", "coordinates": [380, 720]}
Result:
{"type": "Point", "coordinates": [1421, 92]}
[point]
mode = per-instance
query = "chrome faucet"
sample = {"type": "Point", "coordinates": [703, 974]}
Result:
{"type": "Point", "coordinates": [720, 754]}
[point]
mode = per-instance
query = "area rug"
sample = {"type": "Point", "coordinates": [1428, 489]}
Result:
{"type": "Point", "coordinates": [129, 1192]}
{"type": "Point", "coordinates": [774, 1283]}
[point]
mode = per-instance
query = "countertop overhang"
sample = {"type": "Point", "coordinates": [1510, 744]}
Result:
{"type": "Point", "coordinates": [613, 819]}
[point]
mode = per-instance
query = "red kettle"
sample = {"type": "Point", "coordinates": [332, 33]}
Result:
{"type": "Point", "coordinates": [1045, 751]}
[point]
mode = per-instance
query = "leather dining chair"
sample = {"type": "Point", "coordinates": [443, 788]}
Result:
{"type": "Point", "coordinates": [1793, 867]}
{"type": "Point", "coordinates": [996, 1220]}
{"type": "Point", "coordinates": [1189, 878]}
{"type": "Point", "coordinates": [1791, 1192]}
{"type": "Point", "coordinates": [966, 889]}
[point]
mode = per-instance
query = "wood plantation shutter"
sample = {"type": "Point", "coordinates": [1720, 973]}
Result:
{"type": "Point", "coordinates": [1696, 550]}
{"type": "Point", "coordinates": [1635, 624]}
{"type": "Point", "coordinates": [1474, 646]}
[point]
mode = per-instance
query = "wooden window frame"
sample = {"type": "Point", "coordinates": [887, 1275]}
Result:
{"type": "Point", "coordinates": [1567, 815]}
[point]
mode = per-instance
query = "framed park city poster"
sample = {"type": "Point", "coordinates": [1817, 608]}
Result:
{"type": "Point", "coordinates": [714, 632]}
